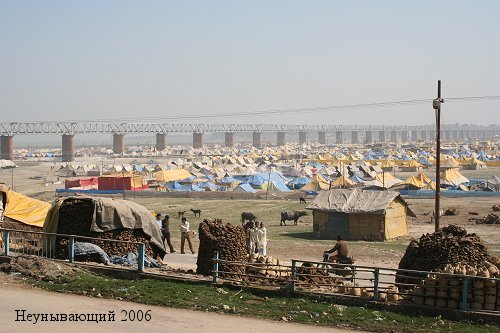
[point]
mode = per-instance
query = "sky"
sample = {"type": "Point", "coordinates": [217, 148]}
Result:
{"type": "Point", "coordinates": [134, 60]}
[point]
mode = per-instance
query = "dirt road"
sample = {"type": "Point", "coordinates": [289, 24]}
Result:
{"type": "Point", "coordinates": [162, 319]}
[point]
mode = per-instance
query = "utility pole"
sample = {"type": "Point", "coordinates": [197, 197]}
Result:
{"type": "Point", "coordinates": [436, 104]}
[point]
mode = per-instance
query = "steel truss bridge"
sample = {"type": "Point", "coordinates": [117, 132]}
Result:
{"type": "Point", "coordinates": [23, 128]}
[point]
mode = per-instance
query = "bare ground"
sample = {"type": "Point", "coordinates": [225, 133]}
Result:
{"type": "Point", "coordinates": [291, 242]}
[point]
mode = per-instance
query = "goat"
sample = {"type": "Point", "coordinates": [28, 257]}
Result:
{"type": "Point", "coordinates": [197, 212]}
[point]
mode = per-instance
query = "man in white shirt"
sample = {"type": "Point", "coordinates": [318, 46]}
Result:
{"type": "Point", "coordinates": [261, 239]}
{"type": "Point", "coordinates": [158, 220]}
{"type": "Point", "coordinates": [185, 235]}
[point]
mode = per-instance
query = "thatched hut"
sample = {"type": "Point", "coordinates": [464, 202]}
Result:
{"type": "Point", "coordinates": [360, 215]}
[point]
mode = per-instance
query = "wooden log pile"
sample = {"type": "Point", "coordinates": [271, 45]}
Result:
{"type": "Point", "coordinates": [75, 218]}
{"type": "Point", "coordinates": [227, 239]}
{"type": "Point", "coordinates": [450, 245]}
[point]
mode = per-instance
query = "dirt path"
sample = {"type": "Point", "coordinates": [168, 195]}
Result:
{"type": "Point", "coordinates": [15, 297]}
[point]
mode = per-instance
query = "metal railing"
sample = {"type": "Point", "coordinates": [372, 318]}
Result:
{"type": "Point", "coordinates": [423, 288]}
{"type": "Point", "coordinates": [43, 244]}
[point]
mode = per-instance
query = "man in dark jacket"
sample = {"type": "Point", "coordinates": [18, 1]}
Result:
{"type": "Point", "coordinates": [340, 247]}
{"type": "Point", "coordinates": [165, 232]}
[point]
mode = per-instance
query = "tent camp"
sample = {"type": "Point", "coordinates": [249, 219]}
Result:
{"type": "Point", "coordinates": [360, 215]}
{"type": "Point", "coordinates": [21, 208]}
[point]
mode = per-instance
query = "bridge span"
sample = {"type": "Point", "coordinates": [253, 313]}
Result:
{"type": "Point", "coordinates": [342, 133]}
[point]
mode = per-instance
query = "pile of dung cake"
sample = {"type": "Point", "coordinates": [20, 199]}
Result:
{"type": "Point", "coordinates": [450, 245]}
{"type": "Point", "coordinates": [226, 239]}
{"type": "Point", "coordinates": [75, 218]}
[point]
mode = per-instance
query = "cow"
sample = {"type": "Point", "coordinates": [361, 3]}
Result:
{"type": "Point", "coordinates": [247, 216]}
{"type": "Point", "coordinates": [289, 216]}
{"type": "Point", "coordinates": [196, 212]}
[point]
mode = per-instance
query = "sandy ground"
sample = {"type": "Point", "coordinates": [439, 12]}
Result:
{"type": "Point", "coordinates": [291, 242]}
{"type": "Point", "coordinates": [16, 297]}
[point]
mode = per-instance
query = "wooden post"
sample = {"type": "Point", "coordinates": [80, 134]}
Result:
{"type": "Point", "coordinates": [376, 273]}
{"type": "Point", "coordinates": [465, 290]}
{"type": "Point", "coordinates": [71, 249]}
{"type": "Point", "coordinates": [6, 239]}
{"type": "Point", "coordinates": [215, 271]}
{"type": "Point", "coordinates": [293, 286]}
{"type": "Point", "coordinates": [437, 106]}
{"type": "Point", "coordinates": [140, 262]}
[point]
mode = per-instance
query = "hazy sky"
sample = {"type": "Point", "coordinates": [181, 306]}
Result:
{"type": "Point", "coordinates": [67, 60]}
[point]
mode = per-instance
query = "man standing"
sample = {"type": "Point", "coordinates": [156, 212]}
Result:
{"type": "Point", "coordinates": [261, 239]}
{"type": "Point", "coordinates": [165, 232]}
{"type": "Point", "coordinates": [250, 234]}
{"type": "Point", "coordinates": [185, 235]}
{"type": "Point", "coordinates": [158, 220]}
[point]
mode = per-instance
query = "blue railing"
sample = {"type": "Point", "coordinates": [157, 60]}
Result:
{"type": "Point", "coordinates": [42, 244]}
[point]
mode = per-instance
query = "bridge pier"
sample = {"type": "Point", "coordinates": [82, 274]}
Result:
{"type": "Point", "coordinates": [68, 148]}
{"type": "Point", "coordinates": [322, 138]}
{"type": "Point", "coordinates": [339, 137]}
{"type": "Point", "coordinates": [369, 137]}
{"type": "Point", "coordinates": [432, 135]}
{"type": "Point", "coordinates": [118, 143]}
{"type": "Point", "coordinates": [404, 136]}
{"type": "Point", "coordinates": [7, 147]}
{"type": "Point", "coordinates": [302, 137]}
{"type": "Point", "coordinates": [257, 139]}
{"type": "Point", "coordinates": [229, 139]}
{"type": "Point", "coordinates": [446, 135]}
{"type": "Point", "coordinates": [394, 136]}
{"type": "Point", "coordinates": [197, 140]}
{"type": "Point", "coordinates": [414, 135]}
{"type": "Point", "coordinates": [381, 136]}
{"type": "Point", "coordinates": [354, 137]}
{"type": "Point", "coordinates": [161, 141]}
{"type": "Point", "coordinates": [280, 138]}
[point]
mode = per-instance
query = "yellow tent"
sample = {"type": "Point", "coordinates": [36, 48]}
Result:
{"type": "Point", "coordinates": [431, 186]}
{"type": "Point", "coordinates": [414, 181]}
{"type": "Point", "coordinates": [387, 164]}
{"type": "Point", "coordinates": [25, 209]}
{"type": "Point", "coordinates": [172, 175]}
{"type": "Point", "coordinates": [453, 177]}
{"type": "Point", "coordinates": [411, 164]}
{"type": "Point", "coordinates": [318, 183]}
{"type": "Point", "coordinates": [423, 178]}
{"type": "Point", "coordinates": [474, 161]}
{"type": "Point", "coordinates": [342, 181]}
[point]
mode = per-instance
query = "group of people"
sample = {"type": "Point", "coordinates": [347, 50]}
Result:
{"type": "Point", "coordinates": [164, 225]}
{"type": "Point", "coordinates": [256, 237]}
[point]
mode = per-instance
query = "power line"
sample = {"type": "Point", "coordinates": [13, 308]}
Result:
{"type": "Point", "coordinates": [293, 110]}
